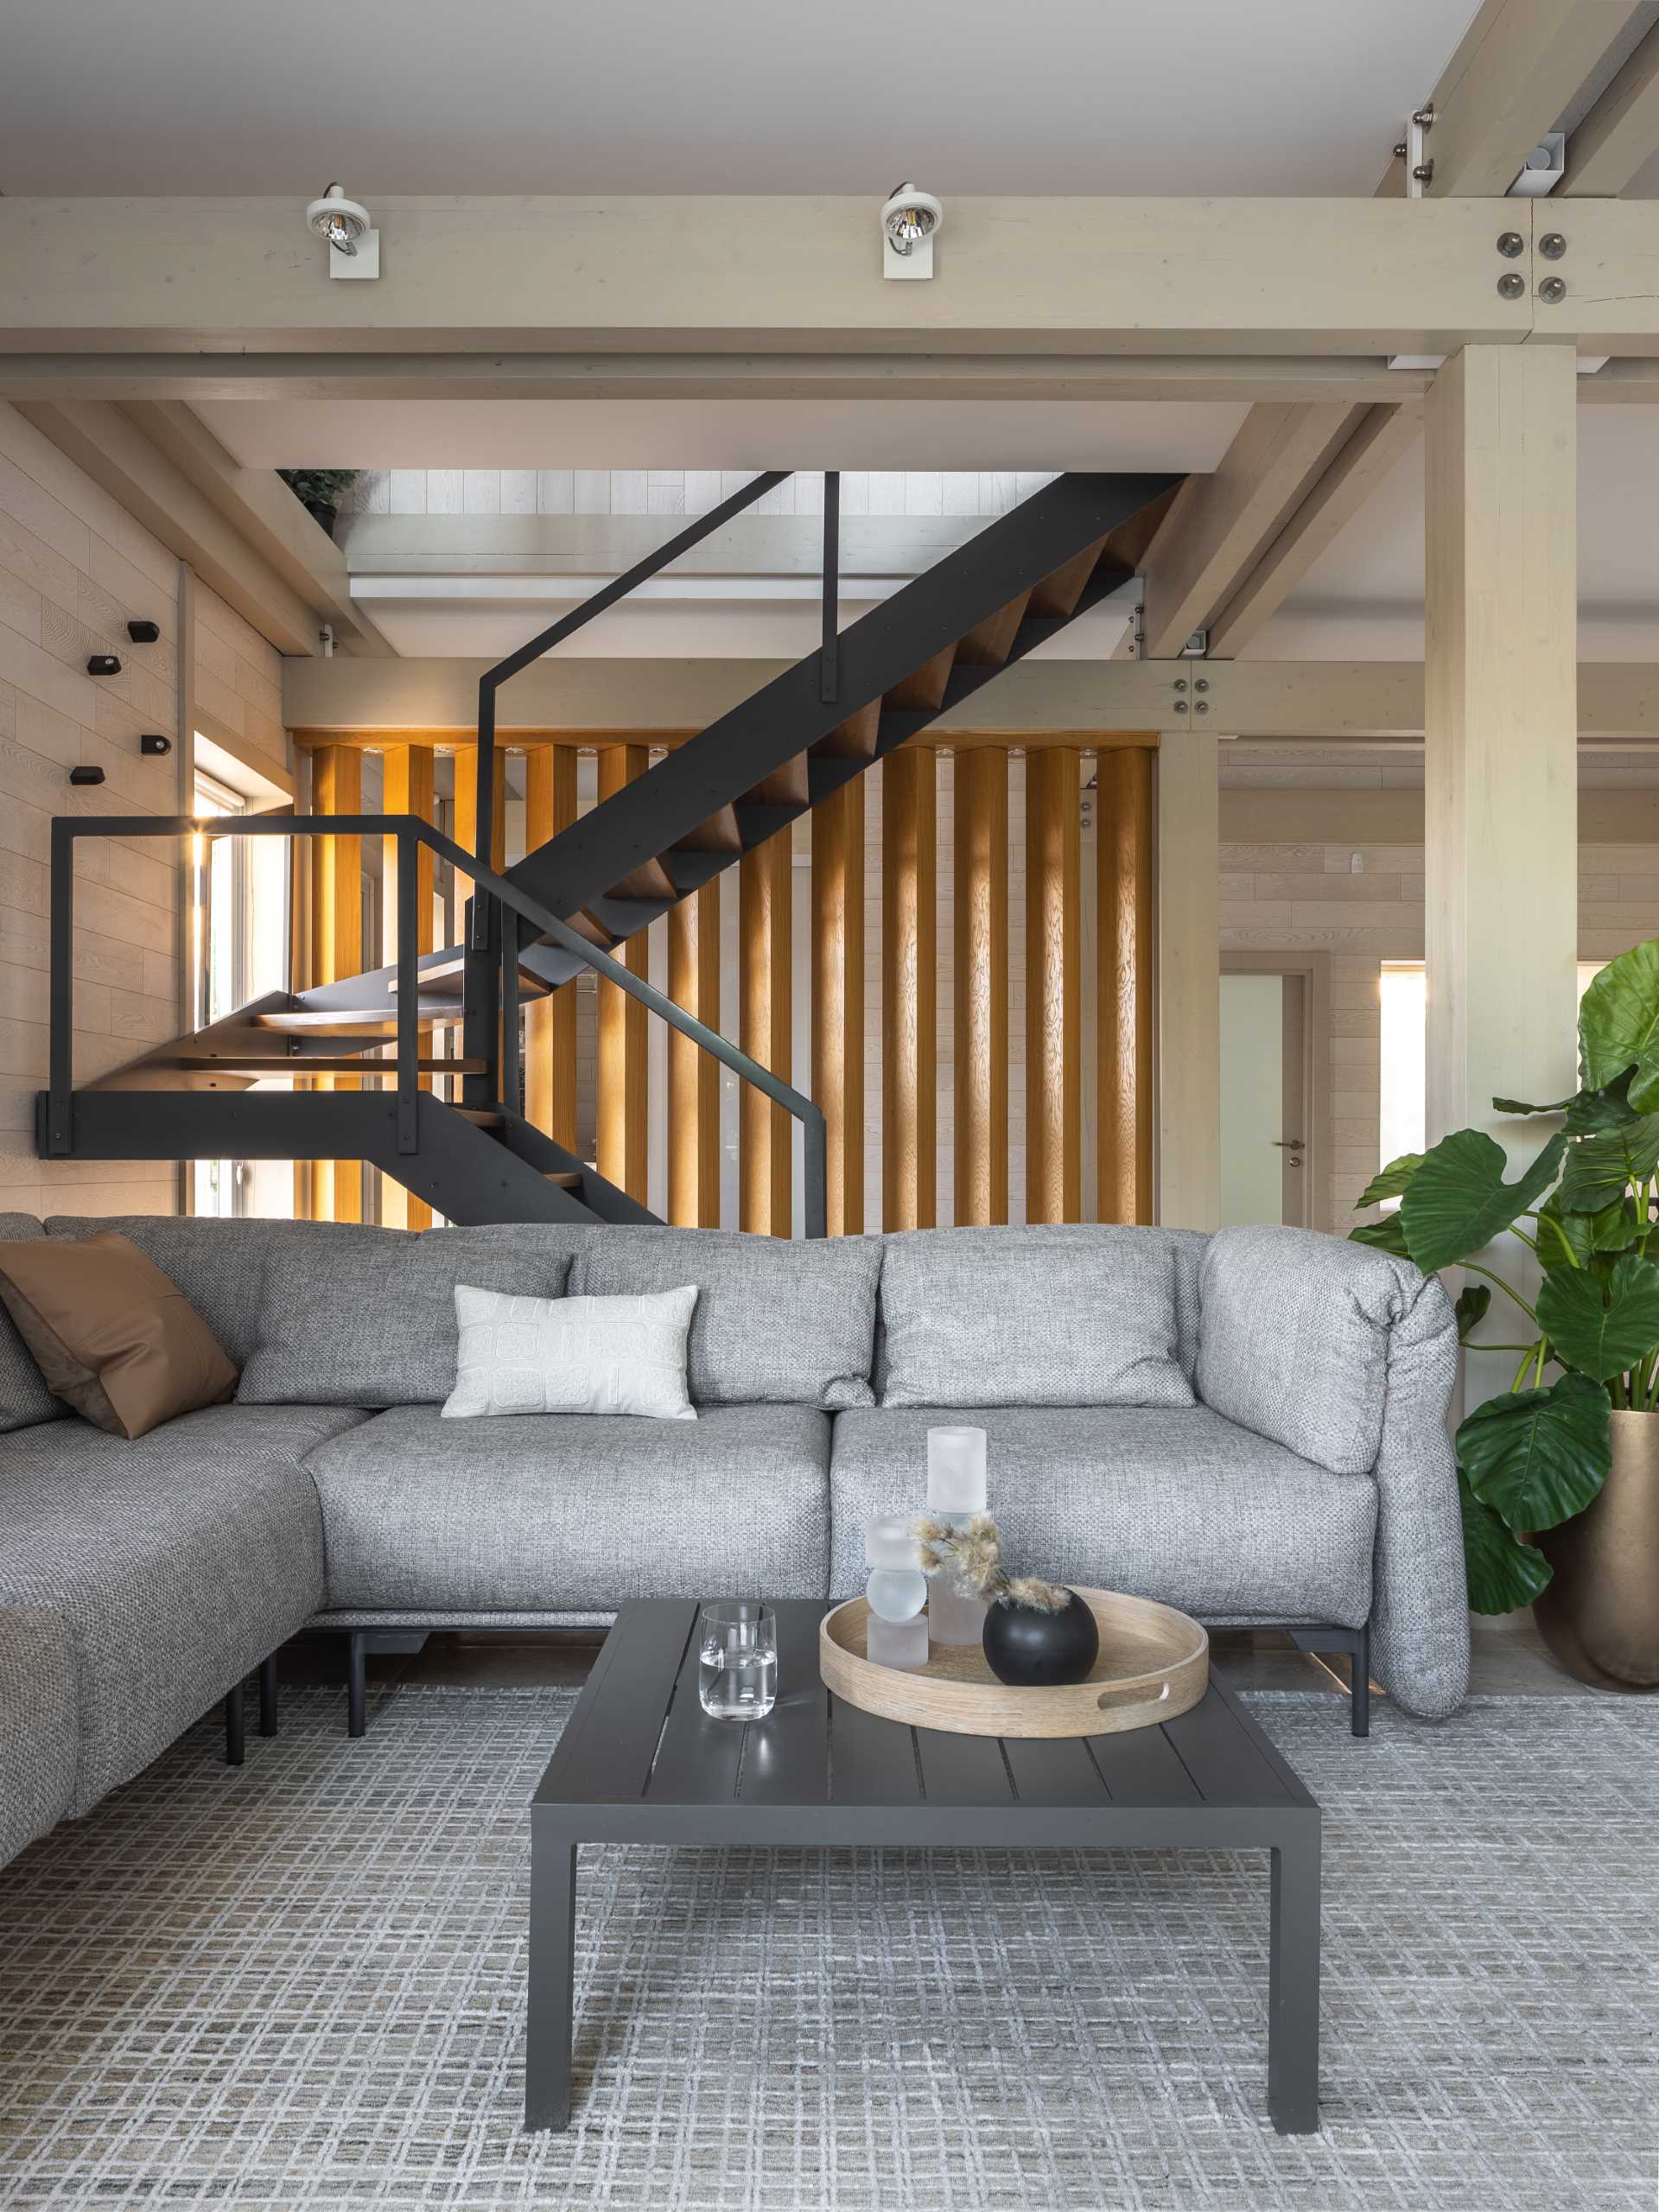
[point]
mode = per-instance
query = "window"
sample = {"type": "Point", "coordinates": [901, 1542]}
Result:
{"type": "Point", "coordinates": [1401, 1103]}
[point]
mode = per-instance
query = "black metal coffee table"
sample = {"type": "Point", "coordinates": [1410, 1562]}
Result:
{"type": "Point", "coordinates": [639, 1762]}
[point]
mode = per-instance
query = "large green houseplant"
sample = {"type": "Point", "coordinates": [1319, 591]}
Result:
{"type": "Point", "coordinates": [1536, 1456]}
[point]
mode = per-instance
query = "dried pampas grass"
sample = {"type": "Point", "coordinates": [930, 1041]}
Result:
{"type": "Point", "coordinates": [972, 1556]}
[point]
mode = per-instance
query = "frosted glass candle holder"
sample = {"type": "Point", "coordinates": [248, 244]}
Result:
{"type": "Point", "coordinates": [896, 1592]}
{"type": "Point", "coordinates": [896, 1643]}
{"type": "Point", "coordinates": [956, 1469]}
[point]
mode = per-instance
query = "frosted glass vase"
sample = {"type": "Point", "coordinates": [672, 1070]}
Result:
{"type": "Point", "coordinates": [956, 1491]}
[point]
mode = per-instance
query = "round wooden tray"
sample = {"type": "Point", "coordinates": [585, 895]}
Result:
{"type": "Point", "coordinates": [1154, 1664]}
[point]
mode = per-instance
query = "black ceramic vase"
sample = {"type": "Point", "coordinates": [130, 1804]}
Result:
{"type": "Point", "coordinates": [1034, 1651]}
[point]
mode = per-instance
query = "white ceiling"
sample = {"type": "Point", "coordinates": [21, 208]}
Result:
{"type": "Point", "coordinates": [724, 434]}
{"type": "Point", "coordinates": [509, 96]}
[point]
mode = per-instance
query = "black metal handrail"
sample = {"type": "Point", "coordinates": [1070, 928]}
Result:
{"type": "Point", "coordinates": [409, 831]}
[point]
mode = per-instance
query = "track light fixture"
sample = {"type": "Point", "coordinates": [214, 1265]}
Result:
{"type": "Point", "coordinates": [353, 242]}
{"type": "Point", "coordinates": [909, 219]}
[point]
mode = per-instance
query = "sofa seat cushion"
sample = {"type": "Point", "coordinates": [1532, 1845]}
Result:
{"type": "Point", "coordinates": [558, 1512]}
{"type": "Point", "coordinates": [40, 1726]}
{"type": "Point", "coordinates": [777, 1322]}
{"type": "Point", "coordinates": [1058, 1316]}
{"type": "Point", "coordinates": [175, 1563]}
{"type": "Point", "coordinates": [1181, 1506]}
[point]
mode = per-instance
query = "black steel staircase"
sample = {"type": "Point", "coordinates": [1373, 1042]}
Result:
{"type": "Point", "coordinates": [574, 900]}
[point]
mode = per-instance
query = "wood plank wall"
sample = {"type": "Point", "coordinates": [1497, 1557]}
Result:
{"type": "Point", "coordinates": [948, 931]}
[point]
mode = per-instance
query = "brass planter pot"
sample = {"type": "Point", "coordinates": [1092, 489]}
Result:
{"type": "Point", "coordinates": [1601, 1614]}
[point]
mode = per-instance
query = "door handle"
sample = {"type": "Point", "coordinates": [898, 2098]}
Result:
{"type": "Point", "coordinates": [1287, 1144]}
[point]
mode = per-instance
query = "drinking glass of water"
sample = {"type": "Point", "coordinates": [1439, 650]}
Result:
{"type": "Point", "coordinates": [738, 1677]}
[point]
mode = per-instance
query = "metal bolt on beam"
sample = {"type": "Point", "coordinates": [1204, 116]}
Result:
{"type": "Point", "coordinates": [1511, 244]}
{"type": "Point", "coordinates": [1511, 284]}
{"type": "Point", "coordinates": [1552, 245]}
{"type": "Point", "coordinates": [1553, 291]}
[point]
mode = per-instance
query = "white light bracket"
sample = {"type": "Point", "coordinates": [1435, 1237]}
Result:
{"type": "Point", "coordinates": [908, 260]}
{"type": "Point", "coordinates": [1543, 168]}
{"type": "Point", "coordinates": [1413, 150]}
{"type": "Point", "coordinates": [1196, 647]}
{"type": "Point", "coordinates": [365, 261]}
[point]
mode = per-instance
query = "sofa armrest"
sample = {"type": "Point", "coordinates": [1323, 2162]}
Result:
{"type": "Point", "coordinates": [1348, 1357]}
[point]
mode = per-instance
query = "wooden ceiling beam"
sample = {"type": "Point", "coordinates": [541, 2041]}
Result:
{"type": "Point", "coordinates": [1620, 134]}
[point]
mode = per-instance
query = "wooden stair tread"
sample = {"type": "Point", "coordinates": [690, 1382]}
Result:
{"type": "Point", "coordinates": [372, 1024]}
{"type": "Point", "coordinates": [563, 1179]}
{"type": "Point", "coordinates": [320, 1064]}
{"type": "Point", "coordinates": [482, 1117]}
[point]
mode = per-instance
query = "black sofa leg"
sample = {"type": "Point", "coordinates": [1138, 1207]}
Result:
{"type": "Point", "coordinates": [1360, 1688]}
{"type": "Point", "coordinates": [235, 1726]}
{"type": "Point", "coordinates": [268, 1695]}
{"type": "Point", "coordinates": [358, 1686]}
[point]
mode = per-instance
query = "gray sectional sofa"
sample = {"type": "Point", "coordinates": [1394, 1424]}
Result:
{"type": "Point", "coordinates": [1250, 1426]}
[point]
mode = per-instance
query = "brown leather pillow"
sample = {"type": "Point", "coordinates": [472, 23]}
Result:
{"type": "Point", "coordinates": [110, 1334]}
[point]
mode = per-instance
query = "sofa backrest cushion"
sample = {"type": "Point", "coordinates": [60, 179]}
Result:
{"type": "Point", "coordinates": [341, 1314]}
{"type": "Point", "coordinates": [777, 1322]}
{"type": "Point", "coordinates": [1062, 1316]}
{"type": "Point", "coordinates": [1294, 1339]}
{"type": "Point", "coordinates": [24, 1398]}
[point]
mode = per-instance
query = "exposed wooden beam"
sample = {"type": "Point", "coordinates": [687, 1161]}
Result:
{"type": "Point", "coordinates": [408, 786]}
{"type": "Point", "coordinates": [1620, 134]}
{"type": "Point", "coordinates": [266, 514]}
{"type": "Point", "coordinates": [1377, 441]}
{"type": "Point", "coordinates": [1515, 71]}
{"type": "Point", "coordinates": [892, 378]}
{"type": "Point", "coordinates": [1053, 990]}
{"type": "Point", "coordinates": [1125, 926]}
{"type": "Point", "coordinates": [693, 1074]}
{"type": "Point", "coordinates": [909, 990]}
{"type": "Point", "coordinates": [657, 273]}
{"type": "Point", "coordinates": [117, 455]}
{"type": "Point", "coordinates": [980, 901]}
{"type": "Point", "coordinates": [766, 969]}
{"type": "Point", "coordinates": [1220, 525]}
{"type": "Point", "coordinates": [551, 1022]}
{"type": "Point", "coordinates": [838, 997]}
{"type": "Point", "coordinates": [624, 1069]}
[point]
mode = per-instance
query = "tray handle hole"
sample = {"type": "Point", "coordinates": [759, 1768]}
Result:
{"type": "Point", "coordinates": [1129, 1694]}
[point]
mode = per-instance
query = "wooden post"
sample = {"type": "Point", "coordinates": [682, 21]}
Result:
{"type": "Point", "coordinates": [623, 1066]}
{"type": "Point", "coordinates": [550, 1023]}
{"type": "Point", "coordinates": [1124, 923]}
{"type": "Point", "coordinates": [693, 1074]}
{"type": "Point", "coordinates": [407, 787]}
{"type": "Point", "coordinates": [982, 984]}
{"type": "Point", "coordinates": [1500, 746]}
{"type": "Point", "coordinates": [1053, 987]}
{"type": "Point", "coordinates": [1189, 983]}
{"type": "Point", "coordinates": [838, 997]}
{"type": "Point", "coordinates": [909, 989]}
{"type": "Point", "coordinates": [337, 942]}
{"type": "Point", "coordinates": [766, 1032]}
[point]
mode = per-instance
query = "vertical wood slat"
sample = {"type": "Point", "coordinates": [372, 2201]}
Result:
{"type": "Point", "coordinates": [408, 786]}
{"type": "Point", "coordinates": [838, 998]}
{"type": "Point", "coordinates": [766, 967]}
{"type": "Point", "coordinates": [910, 989]}
{"type": "Point", "coordinates": [981, 893]}
{"type": "Point", "coordinates": [624, 1075]}
{"type": "Point", "coordinates": [550, 1023]}
{"type": "Point", "coordinates": [337, 944]}
{"type": "Point", "coordinates": [1053, 987]}
{"type": "Point", "coordinates": [1123, 917]}
{"type": "Point", "coordinates": [693, 1074]}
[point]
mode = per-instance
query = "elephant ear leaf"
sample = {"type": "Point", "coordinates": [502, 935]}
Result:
{"type": "Point", "coordinates": [1602, 1326]}
{"type": "Point", "coordinates": [1574, 1239]}
{"type": "Point", "coordinates": [1538, 1457]}
{"type": "Point", "coordinates": [1600, 1168]}
{"type": "Point", "coordinates": [1502, 1574]}
{"type": "Point", "coordinates": [1610, 1108]}
{"type": "Point", "coordinates": [1471, 1308]}
{"type": "Point", "coordinates": [1457, 1201]}
{"type": "Point", "coordinates": [1618, 1026]}
{"type": "Point", "coordinates": [1392, 1182]}
{"type": "Point", "coordinates": [1520, 1106]}
{"type": "Point", "coordinates": [1384, 1236]}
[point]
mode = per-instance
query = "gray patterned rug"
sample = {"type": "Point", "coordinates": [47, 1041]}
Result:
{"type": "Point", "coordinates": [300, 1985]}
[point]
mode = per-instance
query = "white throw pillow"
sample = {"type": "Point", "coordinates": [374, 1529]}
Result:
{"type": "Point", "coordinates": [523, 1355]}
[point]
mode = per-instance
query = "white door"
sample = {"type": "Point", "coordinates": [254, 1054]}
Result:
{"type": "Point", "coordinates": [1263, 1145]}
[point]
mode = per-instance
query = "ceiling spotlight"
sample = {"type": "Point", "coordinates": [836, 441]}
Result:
{"type": "Point", "coordinates": [352, 238]}
{"type": "Point", "coordinates": [909, 220]}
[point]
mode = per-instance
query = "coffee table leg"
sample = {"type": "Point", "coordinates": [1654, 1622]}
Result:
{"type": "Point", "coordinates": [552, 1962]}
{"type": "Point", "coordinates": [1294, 1986]}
